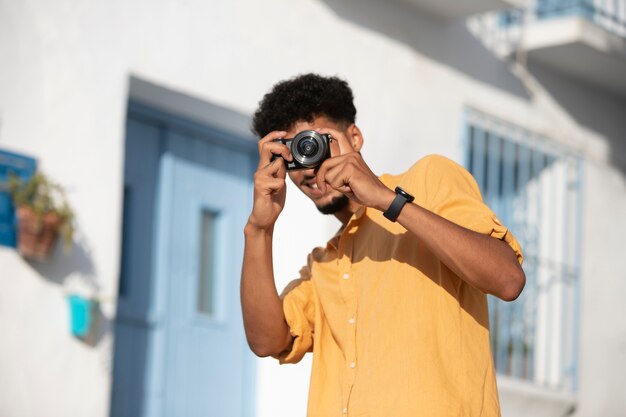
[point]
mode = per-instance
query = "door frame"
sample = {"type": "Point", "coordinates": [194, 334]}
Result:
{"type": "Point", "coordinates": [154, 377]}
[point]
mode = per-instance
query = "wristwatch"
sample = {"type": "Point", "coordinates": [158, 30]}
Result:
{"type": "Point", "coordinates": [402, 197]}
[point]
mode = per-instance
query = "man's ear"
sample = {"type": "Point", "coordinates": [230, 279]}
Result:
{"type": "Point", "coordinates": [353, 133]}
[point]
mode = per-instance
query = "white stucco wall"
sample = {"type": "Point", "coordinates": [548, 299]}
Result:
{"type": "Point", "coordinates": [64, 74]}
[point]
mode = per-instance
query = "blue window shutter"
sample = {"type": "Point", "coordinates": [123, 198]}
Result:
{"type": "Point", "coordinates": [23, 167]}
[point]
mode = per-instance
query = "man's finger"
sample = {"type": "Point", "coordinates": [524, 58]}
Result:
{"type": "Point", "coordinates": [330, 163]}
{"type": "Point", "coordinates": [345, 146]}
{"type": "Point", "coordinates": [273, 185]}
{"type": "Point", "coordinates": [275, 168]}
{"type": "Point", "coordinates": [339, 177]}
{"type": "Point", "coordinates": [270, 149]}
{"type": "Point", "coordinates": [277, 134]}
{"type": "Point", "coordinates": [270, 137]}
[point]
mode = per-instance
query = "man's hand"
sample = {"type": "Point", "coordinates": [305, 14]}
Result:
{"type": "Point", "coordinates": [349, 174]}
{"type": "Point", "coordinates": [269, 182]}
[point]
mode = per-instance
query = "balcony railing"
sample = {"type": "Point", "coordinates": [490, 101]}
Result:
{"type": "Point", "coordinates": [503, 31]}
{"type": "Point", "coordinates": [610, 14]}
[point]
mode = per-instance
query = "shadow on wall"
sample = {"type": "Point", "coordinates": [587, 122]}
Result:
{"type": "Point", "coordinates": [61, 265]}
{"type": "Point", "coordinates": [449, 42]}
{"type": "Point", "coordinates": [590, 107]}
{"type": "Point", "coordinates": [76, 265]}
{"type": "Point", "coordinates": [446, 41]}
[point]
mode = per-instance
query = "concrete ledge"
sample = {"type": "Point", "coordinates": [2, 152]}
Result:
{"type": "Point", "coordinates": [522, 399]}
{"type": "Point", "coordinates": [548, 33]}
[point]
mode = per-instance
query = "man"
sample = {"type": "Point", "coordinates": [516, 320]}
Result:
{"type": "Point", "coordinates": [394, 308]}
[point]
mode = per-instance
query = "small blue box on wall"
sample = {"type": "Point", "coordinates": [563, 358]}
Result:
{"type": "Point", "coordinates": [81, 315]}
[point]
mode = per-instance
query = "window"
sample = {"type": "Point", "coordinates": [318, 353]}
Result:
{"type": "Point", "coordinates": [22, 167]}
{"type": "Point", "coordinates": [534, 186]}
{"type": "Point", "coordinates": [206, 278]}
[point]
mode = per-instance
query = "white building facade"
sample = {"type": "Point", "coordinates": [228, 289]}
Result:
{"type": "Point", "coordinates": [141, 110]}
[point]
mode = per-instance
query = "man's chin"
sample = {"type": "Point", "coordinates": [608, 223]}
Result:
{"type": "Point", "coordinates": [336, 204]}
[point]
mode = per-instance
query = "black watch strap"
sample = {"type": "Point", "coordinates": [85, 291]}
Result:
{"type": "Point", "coordinates": [402, 197]}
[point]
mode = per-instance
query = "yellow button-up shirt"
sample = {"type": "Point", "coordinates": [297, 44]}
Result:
{"type": "Point", "coordinates": [394, 332]}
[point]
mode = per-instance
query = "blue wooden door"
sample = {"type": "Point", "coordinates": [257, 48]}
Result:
{"type": "Point", "coordinates": [206, 356]}
{"type": "Point", "coordinates": [181, 348]}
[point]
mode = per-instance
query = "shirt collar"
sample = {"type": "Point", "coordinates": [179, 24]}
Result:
{"type": "Point", "coordinates": [356, 217]}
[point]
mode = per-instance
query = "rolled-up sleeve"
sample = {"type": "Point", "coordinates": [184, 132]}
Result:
{"type": "Point", "coordinates": [453, 194]}
{"type": "Point", "coordinates": [299, 309]}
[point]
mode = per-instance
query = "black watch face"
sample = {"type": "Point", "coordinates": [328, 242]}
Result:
{"type": "Point", "coordinates": [404, 194]}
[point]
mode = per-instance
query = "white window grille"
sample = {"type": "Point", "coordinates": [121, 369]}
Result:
{"type": "Point", "coordinates": [534, 186]}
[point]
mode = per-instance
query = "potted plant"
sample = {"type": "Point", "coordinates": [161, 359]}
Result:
{"type": "Point", "coordinates": [43, 214]}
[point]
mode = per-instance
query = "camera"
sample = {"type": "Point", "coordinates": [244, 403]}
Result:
{"type": "Point", "coordinates": [308, 148]}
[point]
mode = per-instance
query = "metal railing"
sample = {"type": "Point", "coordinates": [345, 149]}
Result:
{"type": "Point", "coordinates": [610, 14]}
{"type": "Point", "coordinates": [502, 31]}
{"type": "Point", "coordinates": [534, 187]}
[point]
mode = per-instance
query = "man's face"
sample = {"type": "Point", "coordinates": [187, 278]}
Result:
{"type": "Point", "coordinates": [331, 201]}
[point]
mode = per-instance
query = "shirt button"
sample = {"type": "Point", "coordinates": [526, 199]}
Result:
{"type": "Point", "coordinates": [346, 276]}
{"type": "Point", "coordinates": [352, 365]}
{"type": "Point", "coordinates": [345, 411]}
{"type": "Point", "coordinates": [351, 321]}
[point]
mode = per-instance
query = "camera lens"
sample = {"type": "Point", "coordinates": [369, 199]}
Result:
{"type": "Point", "coordinates": [308, 147]}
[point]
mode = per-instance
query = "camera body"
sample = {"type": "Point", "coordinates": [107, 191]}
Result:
{"type": "Point", "coordinates": [308, 148]}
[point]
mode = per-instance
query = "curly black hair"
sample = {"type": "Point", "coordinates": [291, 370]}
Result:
{"type": "Point", "coordinates": [304, 97]}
